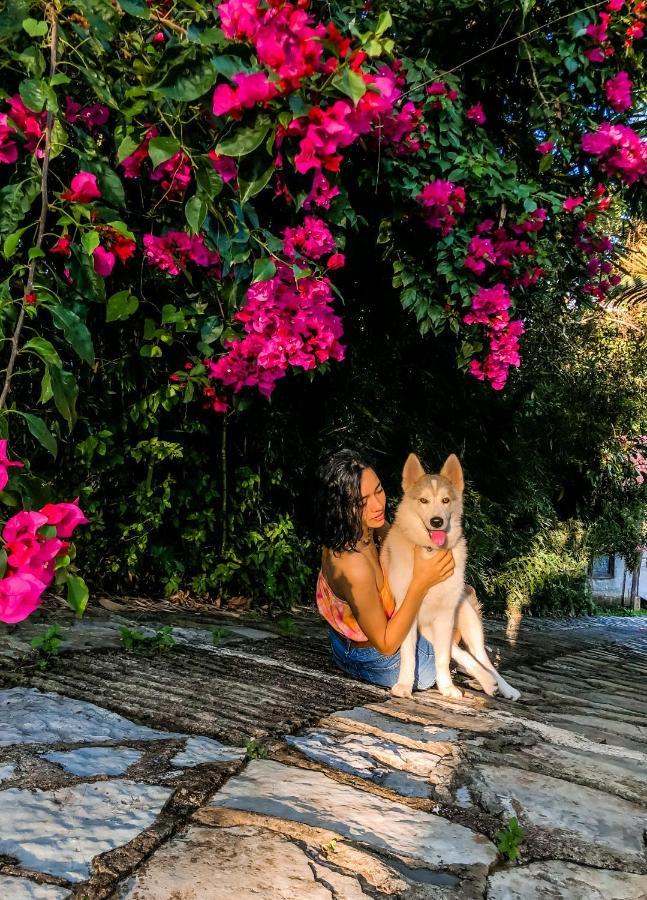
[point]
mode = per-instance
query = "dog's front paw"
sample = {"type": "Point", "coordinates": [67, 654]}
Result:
{"type": "Point", "coordinates": [451, 692]}
{"type": "Point", "coordinates": [402, 690]}
{"type": "Point", "coordinates": [508, 692]}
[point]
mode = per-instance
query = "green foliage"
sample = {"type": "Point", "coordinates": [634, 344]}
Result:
{"type": "Point", "coordinates": [287, 627]}
{"type": "Point", "coordinates": [137, 642]}
{"type": "Point", "coordinates": [217, 634]}
{"type": "Point", "coordinates": [47, 645]}
{"type": "Point", "coordinates": [509, 839]}
{"type": "Point", "coordinates": [255, 750]}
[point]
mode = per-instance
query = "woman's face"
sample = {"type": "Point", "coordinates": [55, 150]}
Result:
{"type": "Point", "coordinates": [373, 499]}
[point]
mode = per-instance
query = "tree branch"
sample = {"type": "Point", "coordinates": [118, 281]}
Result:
{"type": "Point", "coordinates": [49, 124]}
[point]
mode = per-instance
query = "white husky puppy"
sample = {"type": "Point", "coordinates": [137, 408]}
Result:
{"type": "Point", "coordinates": [430, 516]}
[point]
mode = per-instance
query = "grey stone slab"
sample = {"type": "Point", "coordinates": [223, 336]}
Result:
{"type": "Point", "coordinates": [95, 760]}
{"type": "Point", "coordinates": [28, 716]}
{"type": "Point", "coordinates": [238, 863]}
{"type": "Point", "coordinates": [565, 881]}
{"type": "Point", "coordinates": [301, 795]}
{"type": "Point", "coordinates": [60, 832]}
{"type": "Point", "coordinates": [367, 756]}
{"type": "Point", "coordinates": [205, 750]}
{"type": "Point", "coordinates": [16, 888]}
{"type": "Point", "coordinates": [555, 804]}
{"type": "Point", "coordinates": [392, 728]}
{"type": "Point", "coordinates": [6, 771]}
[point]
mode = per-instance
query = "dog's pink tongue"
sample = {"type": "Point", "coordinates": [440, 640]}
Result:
{"type": "Point", "coordinates": [438, 537]}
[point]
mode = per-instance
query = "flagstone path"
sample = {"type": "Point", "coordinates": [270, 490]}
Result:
{"type": "Point", "coordinates": [253, 769]}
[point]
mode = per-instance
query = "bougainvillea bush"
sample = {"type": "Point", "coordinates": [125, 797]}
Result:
{"type": "Point", "coordinates": [191, 193]}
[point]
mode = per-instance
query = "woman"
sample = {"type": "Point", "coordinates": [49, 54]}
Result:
{"type": "Point", "coordinates": [352, 594]}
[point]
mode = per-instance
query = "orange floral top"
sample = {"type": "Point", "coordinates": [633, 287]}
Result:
{"type": "Point", "coordinates": [338, 613]}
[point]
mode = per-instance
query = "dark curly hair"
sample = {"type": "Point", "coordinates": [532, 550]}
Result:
{"type": "Point", "coordinates": [338, 500]}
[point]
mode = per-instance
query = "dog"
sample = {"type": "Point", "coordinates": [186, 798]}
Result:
{"type": "Point", "coordinates": [430, 516]}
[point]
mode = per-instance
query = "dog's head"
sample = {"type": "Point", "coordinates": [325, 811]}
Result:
{"type": "Point", "coordinates": [430, 512]}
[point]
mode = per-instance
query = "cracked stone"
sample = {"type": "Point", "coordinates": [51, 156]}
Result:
{"type": "Point", "coordinates": [375, 759]}
{"type": "Point", "coordinates": [302, 795]}
{"type": "Point", "coordinates": [427, 737]}
{"type": "Point", "coordinates": [90, 761]}
{"type": "Point", "coordinates": [233, 864]}
{"type": "Point", "coordinates": [16, 888]}
{"type": "Point", "coordinates": [28, 716]}
{"type": "Point", "coordinates": [204, 750]}
{"type": "Point", "coordinates": [555, 804]}
{"type": "Point", "coordinates": [560, 880]}
{"type": "Point", "coordinates": [60, 832]}
{"type": "Point", "coordinates": [6, 771]}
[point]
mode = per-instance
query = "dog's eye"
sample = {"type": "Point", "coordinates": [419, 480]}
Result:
{"type": "Point", "coordinates": [445, 500]}
{"type": "Point", "coordinates": [424, 500]}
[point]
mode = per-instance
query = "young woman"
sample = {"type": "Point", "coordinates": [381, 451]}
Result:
{"type": "Point", "coordinates": [352, 593]}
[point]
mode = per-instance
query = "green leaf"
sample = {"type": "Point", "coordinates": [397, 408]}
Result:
{"type": "Point", "coordinates": [40, 431]}
{"type": "Point", "coordinates": [34, 28]}
{"type": "Point", "coordinates": [140, 10]}
{"type": "Point", "coordinates": [11, 242]}
{"type": "Point", "coordinates": [264, 269]}
{"type": "Point", "coordinates": [44, 349]}
{"type": "Point", "coordinates": [244, 140]}
{"type": "Point", "coordinates": [121, 306]}
{"type": "Point", "coordinates": [90, 241]}
{"type": "Point", "coordinates": [213, 36]}
{"type": "Point", "coordinates": [189, 81]}
{"type": "Point", "coordinates": [150, 351]}
{"type": "Point", "coordinates": [15, 202]}
{"type": "Point", "coordinates": [126, 148]}
{"type": "Point", "coordinates": [209, 182]}
{"type": "Point", "coordinates": [195, 212]}
{"type": "Point", "coordinates": [34, 92]}
{"type": "Point", "coordinates": [229, 65]}
{"type": "Point", "coordinates": [46, 392]}
{"type": "Point", "coordinates": [77, 594]}
{"type": "Point", "coordinates": [162, 148]}
{"type": "Point", "coordinates": [384, 23]}
{"type": "Point", "coordinates": [250, 189]}
{"type": "Point", "coordinates": [66, 391]}
{"type": "Point", "coordinates": [3, 562]}
{"type": "Point", "coordinates": [351, 84]}
{"type": "Point", "coordinates": [75, 331]}
{"type": "Point", "coordinates": [546, 162]}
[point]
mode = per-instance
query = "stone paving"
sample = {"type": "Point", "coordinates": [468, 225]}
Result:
{"type": "Point", "coordinates": [251, 768]}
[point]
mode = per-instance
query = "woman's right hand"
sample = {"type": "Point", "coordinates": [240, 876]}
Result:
{"type": "Point", "coordinates": [431, 570]}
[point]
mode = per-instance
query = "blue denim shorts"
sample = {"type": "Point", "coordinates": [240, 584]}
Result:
{"type": "Point", "coordinates": [368, 664]}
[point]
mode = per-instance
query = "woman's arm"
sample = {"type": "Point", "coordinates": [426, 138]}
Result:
{"type": "Point", "coordinates": [386, 635]}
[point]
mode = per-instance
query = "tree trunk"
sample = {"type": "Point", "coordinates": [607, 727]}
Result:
{"type": "Point", "coordinates": [634, 597]}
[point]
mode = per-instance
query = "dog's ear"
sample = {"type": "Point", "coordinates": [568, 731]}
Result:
{"type": "Point", "coordinates": [453, 471]}
{"type": "Point", "coordinates": [412, 471]}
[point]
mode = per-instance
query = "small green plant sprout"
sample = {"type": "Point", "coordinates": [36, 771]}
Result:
{"type": "Point", "coordinates": [47, 645]}
{"type": "Point", "coordinates": [287, 626]}
{"type": "Point", "coordinates": [217, 634]}
{"type": "Point", "coordinates": [254, 749]}
{"type": "Point", "coordinates": [163, 639]}
{"type": "Point", "coordinates": [138, 642]}
{"type": "Point", "coordinates": [330, 846]}
{"type": "Point", "coordinates": [509, 839]}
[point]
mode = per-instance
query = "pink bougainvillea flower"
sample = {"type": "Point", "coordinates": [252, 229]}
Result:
{"type": "Point", "coordinates": [5, 463]}
{"type": "Point", "coordinates": [620, 151]}
{"type": "Point", "coordinates": [336, 261]}
{"type": "Point", "coordinates": [545, 147]}
{"type": "Point", "coordinates": [248, 91]}
{"type": "Point", "coordinates": [618, 91]}
{"type": "Point", "coordinates": [614, 6]}
{"type": "Point", "coordinates": [8, 147]}
{"type": "Point", "coordinates": [104, 261]}
{"type": "Point", "coordinates": [83, 189]}
{"type": "Point", "coordinates": [225, 166]}
{"type": "Point", "coordinates": [93, 117]}
{"type": "Point", "coordinates": [598, 31]}
{"type": "Point", "coordinates": [442, 202]}
{"type": "Point", "coordinates": [62, 245]}
{"type": "Point", "coordinates": [132, 164]}
{"type": "Point", "coordinates": [173, 251]}
{"type": "Point", "coordinates": [572, 203]}
{"type": "Point", "coordinates": [23, 525]}
{"type": "Point", "coordinates": [174, 175]}
{"type": "Point", "coordinates": [66, 516]}
{"type": "Point", "coordinates": [20, 595]}
{"type": "Point", "coordinates": [117, 243]}
{"type": "Point", "coordinates": [31, 298]}
{"type": "Point", "coordinates": [159, 38]}
{"type": "Point", "coordinates": [595, 55]}
{"type": "Point", "coordinates": [476, 114]}
{"type": "Point", "coordinates": [312, 239]}
{"type": "Point", "coordinates": [29, 123]}
{"type": "Point", "coordinates": [322, 193]}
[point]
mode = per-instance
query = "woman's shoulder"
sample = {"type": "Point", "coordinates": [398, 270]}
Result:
{"type": "Point", "coordinates": [349, 564]}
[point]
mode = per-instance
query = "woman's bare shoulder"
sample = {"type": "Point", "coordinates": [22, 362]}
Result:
{"type": "Point", "coordinates": [354, 568]}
